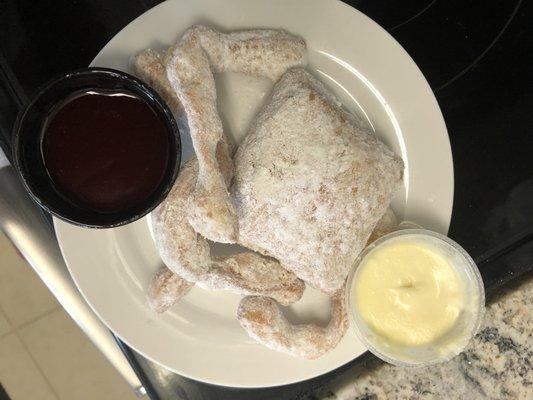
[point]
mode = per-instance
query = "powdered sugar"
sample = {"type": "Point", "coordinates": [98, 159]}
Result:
{"type": "Point", "coordinates": [309, 184]}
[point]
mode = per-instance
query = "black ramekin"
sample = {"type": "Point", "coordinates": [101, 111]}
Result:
{"type": "Point", "coordinates": [27, 146]}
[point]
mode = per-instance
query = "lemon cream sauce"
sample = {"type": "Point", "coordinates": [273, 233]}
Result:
{"type": "Point", "coordinates": [408, 292]}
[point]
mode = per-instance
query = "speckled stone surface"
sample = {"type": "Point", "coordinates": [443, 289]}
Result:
{"type": "Point", "coordinates": [497, 364]}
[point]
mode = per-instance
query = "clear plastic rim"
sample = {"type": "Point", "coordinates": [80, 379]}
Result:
{"type": "Point", "coordinates": [472, 270]}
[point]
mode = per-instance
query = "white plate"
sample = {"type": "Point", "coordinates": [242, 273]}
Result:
{"type": "Point", "coordinates": [200, 337]}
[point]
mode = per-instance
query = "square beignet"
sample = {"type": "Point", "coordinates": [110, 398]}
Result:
{"type": "Point", "coordinates": [310, 184]}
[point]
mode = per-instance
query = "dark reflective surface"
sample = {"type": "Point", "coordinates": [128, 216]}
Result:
{"type": "Point", "coordinates": [45, 38]}
{"type": "Point", "coordinates": [476, 57]}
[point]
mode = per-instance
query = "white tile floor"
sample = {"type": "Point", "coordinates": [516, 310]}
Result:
{"type": "Point", "coordinates": [43, 354]}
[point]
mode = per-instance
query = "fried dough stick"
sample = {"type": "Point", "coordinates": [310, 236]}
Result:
{"type": "Point", "coordinates": [187, 253]}
{"type": "Point", "coordinates": [190, 66]}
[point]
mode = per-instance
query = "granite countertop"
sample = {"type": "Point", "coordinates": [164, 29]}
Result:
{"type": "Point", "coordinates": [495, 365]}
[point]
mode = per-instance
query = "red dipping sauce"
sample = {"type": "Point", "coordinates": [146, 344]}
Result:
{"type": "Point", "coordinates": [106, 151]}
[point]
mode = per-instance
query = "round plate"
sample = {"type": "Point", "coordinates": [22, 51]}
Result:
{"type": "Point", "coordinates": [374, 77]}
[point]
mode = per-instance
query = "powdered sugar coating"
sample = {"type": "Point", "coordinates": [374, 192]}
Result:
{"type": "Point", "coordinates": [149, 65]}
{"type": "Point", "coordinates": [190, 65]}
{"type": "Point", "coordinates": [166, 289]}
{"type": "Point", "coordinates": [263, 320]}
{"type": "Point", "coordinates": [187, 253]}
{"type": "Point", "coordinates": [309, 184]}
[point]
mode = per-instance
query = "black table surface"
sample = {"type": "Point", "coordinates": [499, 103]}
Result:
{"type": "Point", "coordinates": [476, 55]}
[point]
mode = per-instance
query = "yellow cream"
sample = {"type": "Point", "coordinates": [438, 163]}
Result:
{"type": "Point", "coordinates": [408, 292]}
